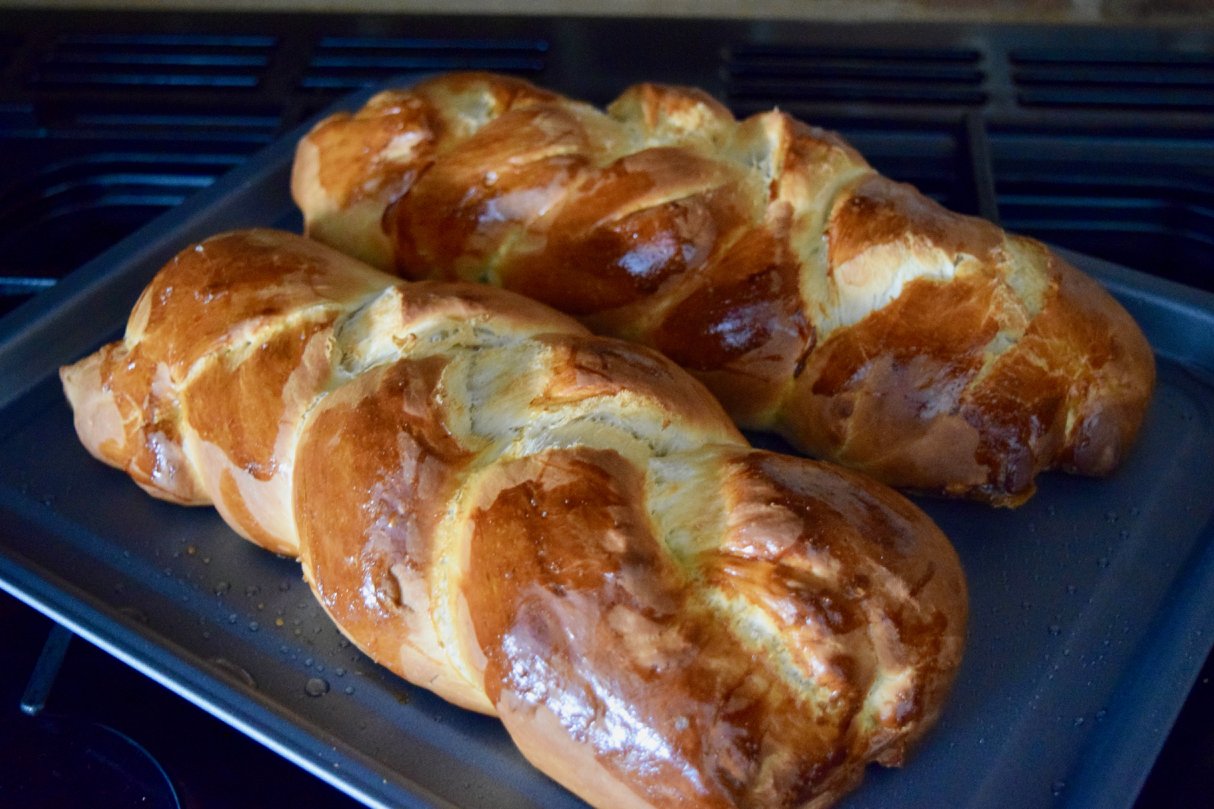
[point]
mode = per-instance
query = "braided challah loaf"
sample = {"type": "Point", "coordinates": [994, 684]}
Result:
{"type": "Point", "coordinates": [561, 529]}
{"type": "Point", "coordinates": [813, 296]}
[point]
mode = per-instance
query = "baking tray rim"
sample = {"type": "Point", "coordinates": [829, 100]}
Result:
{"type": "Point", "coordinates": [165, 664]}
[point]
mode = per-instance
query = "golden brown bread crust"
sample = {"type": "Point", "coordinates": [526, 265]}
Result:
{"type": "Point", "coordinates": [562, 529]}
{"type": "Point", "coordinates": [814, 297]}
{"type": "Point", "coordinates": [235, 333]}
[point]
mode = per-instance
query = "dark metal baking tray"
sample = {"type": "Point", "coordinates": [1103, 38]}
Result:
{"type": "Point", "coordinates": [1092, 605]}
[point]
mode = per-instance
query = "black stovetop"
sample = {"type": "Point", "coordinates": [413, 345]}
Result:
{"type": "Point", "coordinates": [1096, 139]}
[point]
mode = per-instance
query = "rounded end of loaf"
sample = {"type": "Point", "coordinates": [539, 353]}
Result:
{"type": "Point", "coordinates": [333, 215]}
{"type": "Point", "coordinates": [222, 353]}
{"type": "Point", "coordinates": [351, 167]}
{"type": "Point", "coordinates": [1122, 374]}
{"type": "Point", "coordinates": [991, 362]}
{"type": "Point", "coordinates": [902, 572]}
{"type": "Point", "coordinates": [811, 623]}
{"type": "Point", "coordinates": [127, 415]}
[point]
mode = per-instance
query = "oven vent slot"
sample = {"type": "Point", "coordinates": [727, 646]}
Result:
{"type": "Point", "coordinates": [55, 220]}
{"type": "Point", "coordinates": [97, 180]}
{"type": "Point", "coordinates": [762, 76]}
{"type": "Point", "coordinates": [242, 131]}
{"type": "Point", "coordinates": [139, 180]}
{"type": "Point", "coordinates": [193, 61]}
{"type": "Point", "coordinates": [928, 157]}
{"type": "Point", "coordinates": [340, 62]}
{"type": "Point", "coordinates": [1173, 81]}
{"type": "Point", "coordinates": [1143, 201]}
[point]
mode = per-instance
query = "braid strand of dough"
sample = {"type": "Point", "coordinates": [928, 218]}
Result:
{"type": "Point", "coordinates": [814, 297]}
{"type": "Point", "coordinates": [560, 529]}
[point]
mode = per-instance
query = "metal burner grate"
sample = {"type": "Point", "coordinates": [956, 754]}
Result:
{"type": "Point", "coordinates": [1155, 81]}
{"type": "Point", "coordinates": [763, 76]}
{"type": "Point", "coordinates": [156, 60]}
{"type": "Point", "coordinates": [352, 62]}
